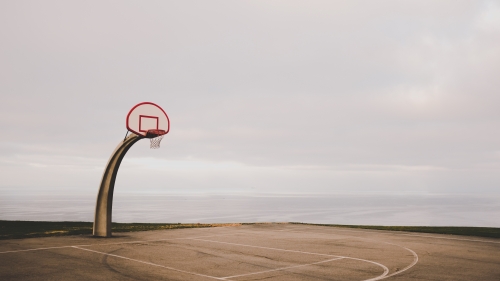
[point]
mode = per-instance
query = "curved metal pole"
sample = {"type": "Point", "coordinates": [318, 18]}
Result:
{"type": "Point", "coordinates": [104, 205]}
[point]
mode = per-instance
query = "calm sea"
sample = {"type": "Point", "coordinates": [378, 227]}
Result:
{"type": "Point", "coordinates": [405, 209]}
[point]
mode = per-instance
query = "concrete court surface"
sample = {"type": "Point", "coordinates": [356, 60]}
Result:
{"type": "Point", "coordinates": [253, 252]}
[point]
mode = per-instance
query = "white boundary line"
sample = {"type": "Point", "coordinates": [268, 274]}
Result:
{"type": "Point", "coordinates": [104, 244]}
{"type": "Point", "coordinates": [265, 248]}
{"type": "Point", "coordinates": [40, 249]}
{"type": "Point", "coordinates": [415, 261]}
{"type": "Point", "coordinates": [281, 268]}
{"type": "Point", "coordinates": [382, 276]}
{"type": "Point", "coordinates": [149, 263]}
{"type": "Point", "coordinates": [386, 270]}
{"type": "Point", "coordinates": [415, 256]}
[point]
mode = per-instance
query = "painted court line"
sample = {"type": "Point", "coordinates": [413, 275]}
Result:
{"type": "Point", "coordinates": [415, 260]}
{"type": "Point", "coordinates": [386, 270]}
{"type": "Point", "coordinates": [149, 263]}
{"type": "Point", "coordinates": [116, 243]}
{"type": "Point", "coordinates": [266, 248]}
{"type": "Point", "coordinates": [281, 268]}
{"type": "Point", "coordinates": [382, 276]}
{"type": "Point", "coordinates": [157, 240]}
{"type": "Point", "coordinates": [415, 256]}
{"type": "Point", "coordinates": [39, 249]}
{"type": "Point", "coordinates": [104, 244]}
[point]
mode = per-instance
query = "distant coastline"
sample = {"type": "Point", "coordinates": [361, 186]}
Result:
{"type": "Point", "coordinates": [344, 209]}
{"type": "Point", "coordinates": [31, 229]}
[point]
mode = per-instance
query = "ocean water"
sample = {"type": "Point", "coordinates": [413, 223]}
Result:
{"type": "Point", "coordinates": [375, 209]}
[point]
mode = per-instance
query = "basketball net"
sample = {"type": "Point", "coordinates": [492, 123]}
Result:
{"type": "Point", "coordinates": [155, 136]}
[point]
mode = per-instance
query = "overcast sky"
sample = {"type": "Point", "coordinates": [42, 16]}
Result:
{"type": "Point", "coordinates": [263, 96]}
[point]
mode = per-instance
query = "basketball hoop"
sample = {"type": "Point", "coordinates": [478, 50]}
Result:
{"type": "Point", "coordinates": [150, 121]}
{"type": "Point", "coordinates": [155, 136]}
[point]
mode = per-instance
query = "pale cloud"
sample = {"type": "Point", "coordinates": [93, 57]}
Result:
{"type": "Point", "coordinates": [282, 96]}
{"type": "Point", "coordinates": [489, 19]}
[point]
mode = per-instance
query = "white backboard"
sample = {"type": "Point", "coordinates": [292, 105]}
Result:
{"type": "Point", "coordinates": [147, 116]}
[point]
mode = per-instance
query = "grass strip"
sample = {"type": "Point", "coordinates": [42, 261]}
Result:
{"type": "Point", "coordinates": [29, 229]}
{"type": "Point", "coordinates": [491, 232]}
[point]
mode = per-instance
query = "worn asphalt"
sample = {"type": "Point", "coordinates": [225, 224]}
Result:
{"type": "Point", "coordinates": [253, 252]}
